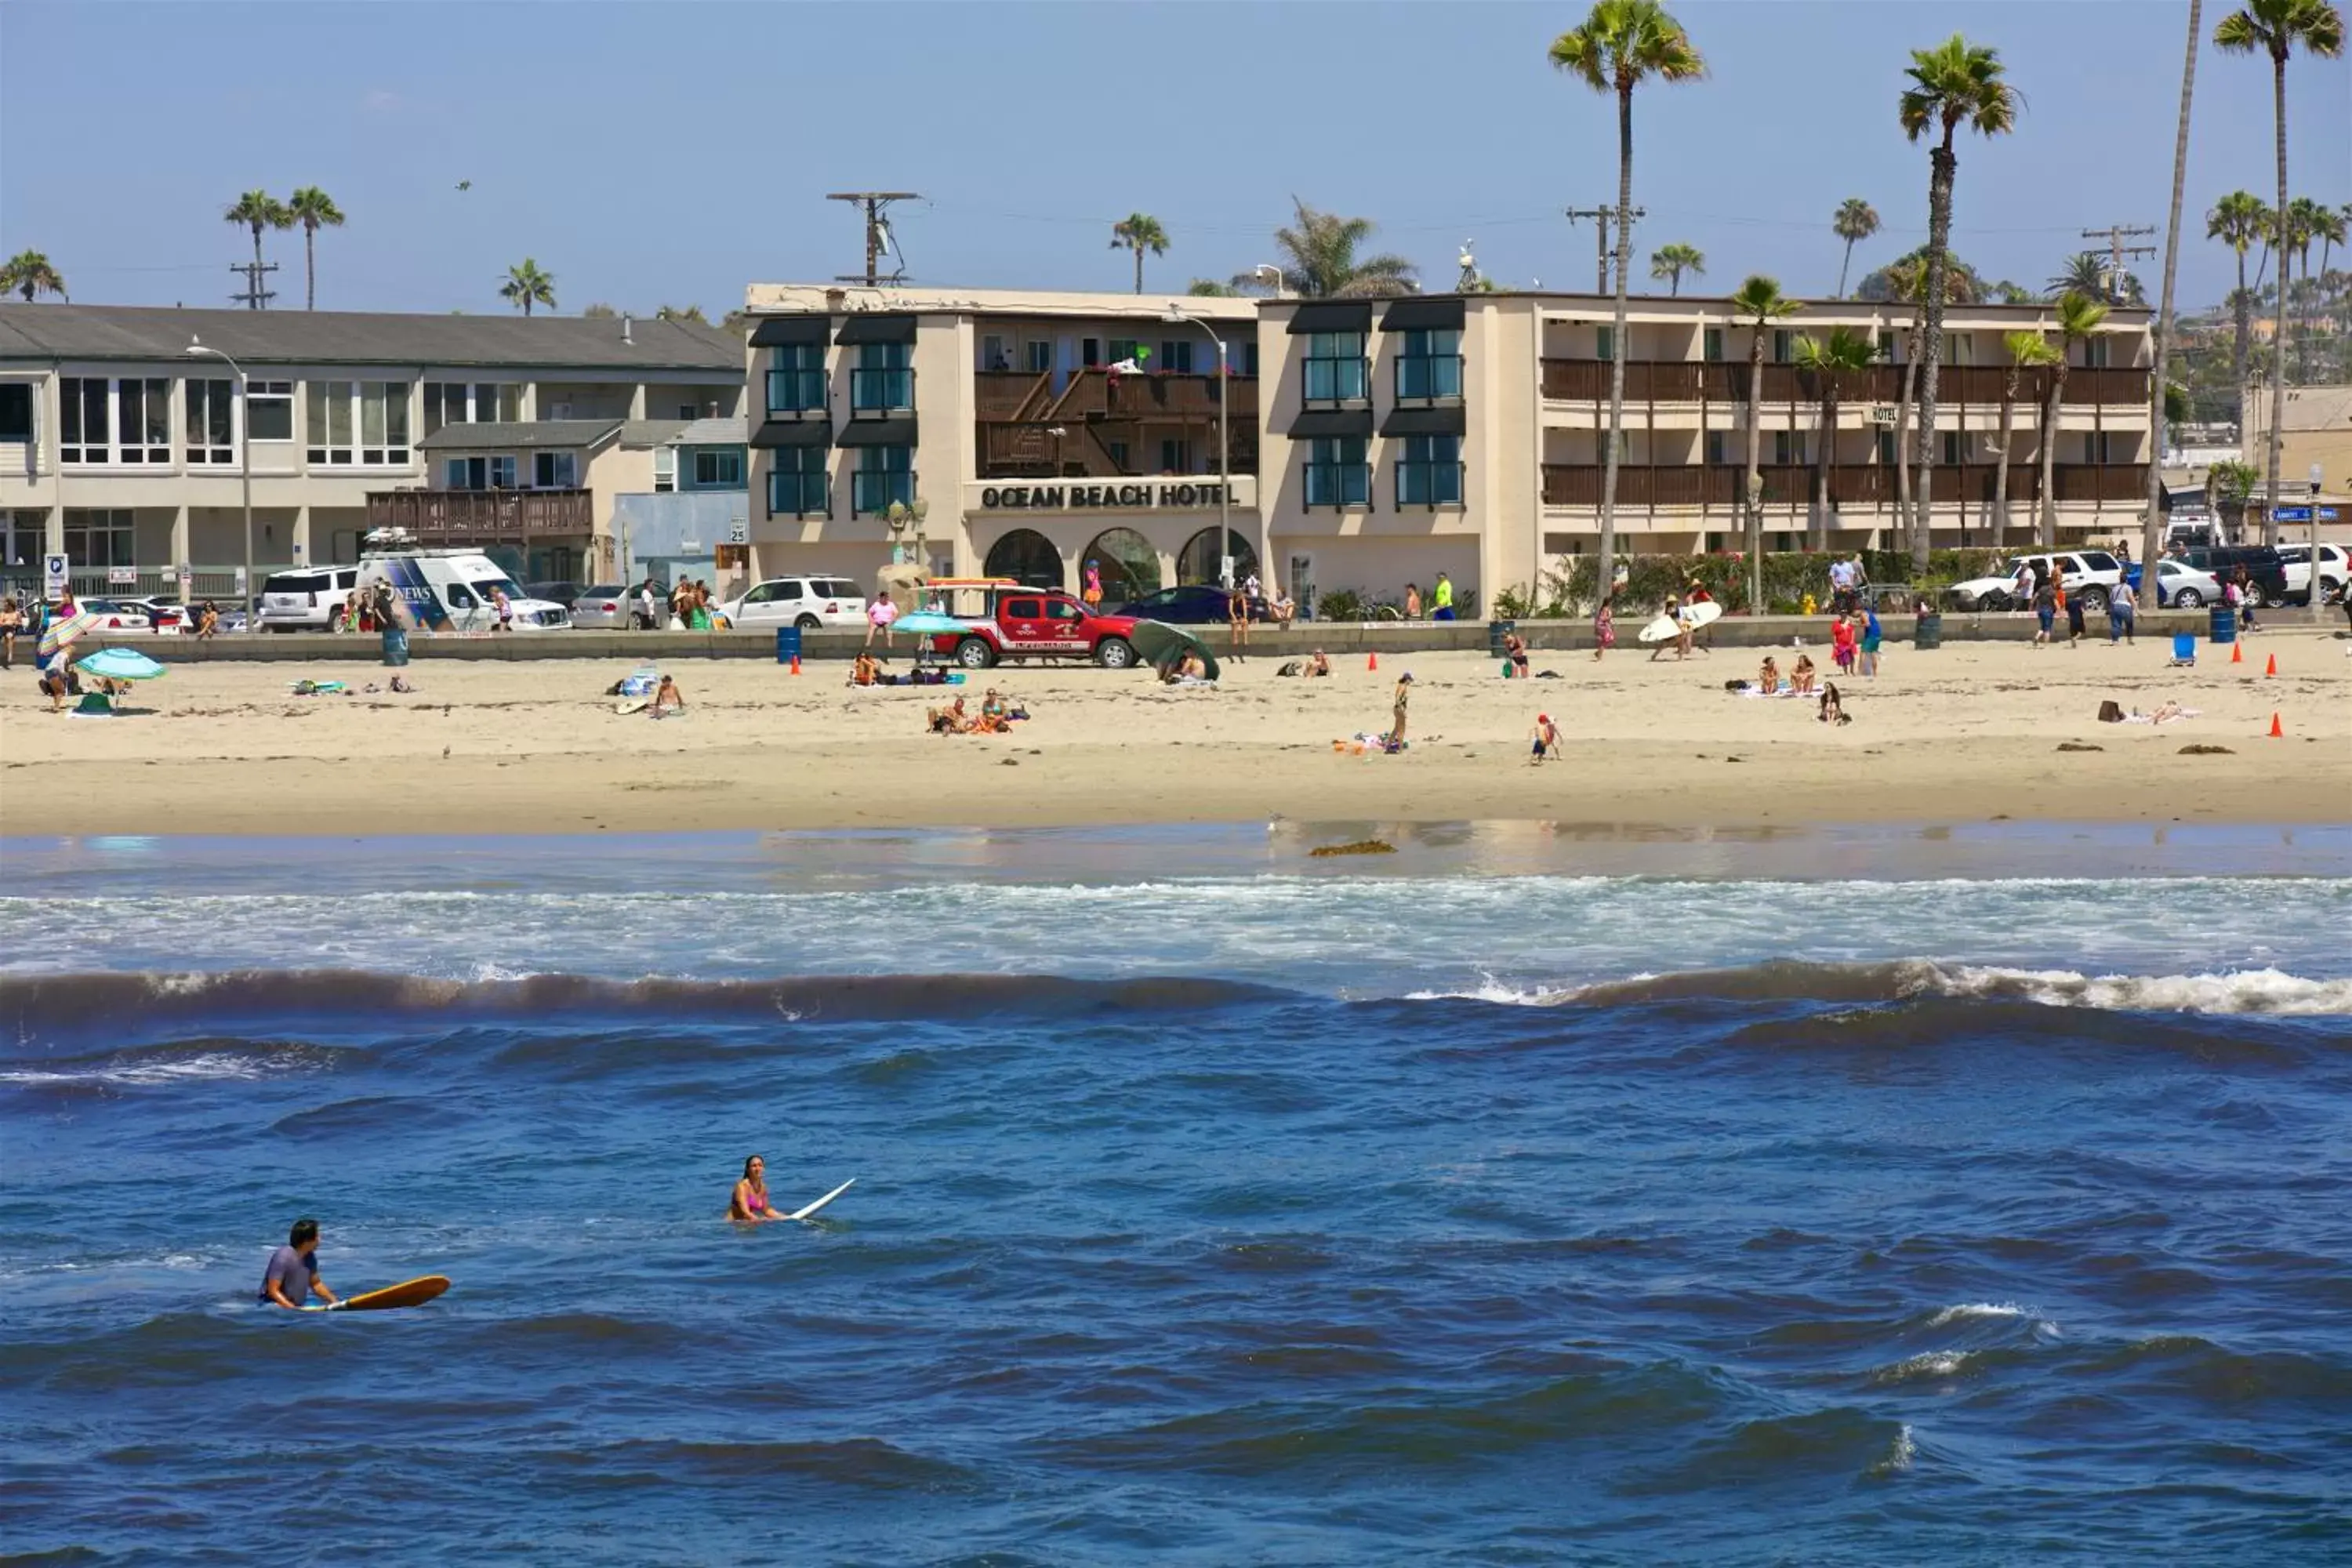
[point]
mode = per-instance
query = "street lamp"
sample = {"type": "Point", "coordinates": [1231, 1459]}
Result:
{"type": "Point", "coordinates": [1175, 313]}
{"type": "Point", "coordinates": [244, 465]}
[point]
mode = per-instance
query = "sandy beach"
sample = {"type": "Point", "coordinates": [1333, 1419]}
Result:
{"type": "Point", "coordinates": [1971, 732]}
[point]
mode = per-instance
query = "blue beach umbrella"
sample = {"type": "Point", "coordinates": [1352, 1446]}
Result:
{"type": "Point", "coordinates": [929, 623]}
{"type": "Point", "coordinates": [120, 664]}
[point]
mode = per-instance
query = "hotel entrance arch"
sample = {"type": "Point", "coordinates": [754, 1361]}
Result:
{"type": "Point", "coordinates": [1202, 559]}
{"type": "Point", "coordinates": [1027, 556]}
{"type": "Point", "coordinates": [1130, 566]}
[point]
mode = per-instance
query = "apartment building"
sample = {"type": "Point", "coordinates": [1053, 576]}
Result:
{"type": "Point", "coordinates": [1015, 435]}
{"type": "Point", "coordinates": [1465, 434]}
{"type": "Point", "coordinates": [696, 520]}
{"type": "Point", "coordinates": [122, 449]}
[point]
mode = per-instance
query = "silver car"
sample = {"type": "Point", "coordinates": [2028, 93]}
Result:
{"type": "Point", "coordinates": [604, 607]}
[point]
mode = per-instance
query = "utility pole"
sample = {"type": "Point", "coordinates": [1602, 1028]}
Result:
{"type": "Point", "coordinates": [2115, 234]}
{"type": "Point", "coordinates": [254, 297]}
{"type": "Point", "coordinates": [1602, 217]}
{"type": "Point", "coordinates": [877, 232]}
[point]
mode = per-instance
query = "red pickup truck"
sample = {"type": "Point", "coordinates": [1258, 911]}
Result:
{"type": "Point", "coordinates": [1025, 624]}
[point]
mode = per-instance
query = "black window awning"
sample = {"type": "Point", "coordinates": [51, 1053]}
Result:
{"type": "Point", "coordinates": [786, 331]}
{"type": "Point", "coordinates": [897, 431]}
{"type": "Point", "coordinates": [1422, 315]}
{"type": "Point", "coordinates": [1333, 316]}
{"type": "Point", "coordinates": [1317, 423]}
{"type": "Point", "coordinates": [794, 433]}
{"type": "Point", "coordinates": [877, 329]}
{"type": "Point", "coordinates": [1445, 421]}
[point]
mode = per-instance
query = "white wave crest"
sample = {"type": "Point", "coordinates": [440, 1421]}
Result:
{"type": "Point", "coordinates": [1967, 1309]}
{"type": "Point", "coordinates": [1929, 1366]}
{"type": "Point", "coordinates": [211, 1066]}
{"type": "Point", "coordinates": [1899, 1453]}
{"type": "Point", "coordinates": [2238, 990]}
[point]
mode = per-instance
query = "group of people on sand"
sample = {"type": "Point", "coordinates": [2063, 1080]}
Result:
{"type": "Point", "coordinates": [1801, 681]}
{"type": "Point", "coordinates": [995, 717]}
{"type": "Point", "coordinates": [690, 604]}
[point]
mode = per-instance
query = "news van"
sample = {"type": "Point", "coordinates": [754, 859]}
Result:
{"type": "Point", "coordinates": [454, 589]}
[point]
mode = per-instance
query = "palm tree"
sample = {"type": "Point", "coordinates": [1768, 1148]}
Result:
{"type": "Point", "coordinates": [1954, 84]}
{"type": "Point", "coordinates": [2079, 316]}
{"type": "Point", "coordinates": [1856, 220]}
{"type": "Point", "coordinates": [313, 209]}
{"type": "Point", "coordinates": [1671, 261]}
{"type": "Point", "coordinates": [681, 314]}
{"type": "Point", "coordinates": [528, 286]}
{"type": "Point", "coordinates": [1139, 232]}
{"type": "Point", "coordinates": [2027, 350]}
{"type": "Point", "coordinates": [2089, 272]}
{"type": "Point", "coordinates": [2162, 393]}
{"type": "Point", "coordinates": [258, 210]}
{"type": "Point", "coordinates": [1209, 289]}
{"type": "Point", "coordinates": [1905, 278]}
{"type": "Point", "coordinates": [1622, 44]}
{"type": "Point", "coordinates": [2237, 220]}
{"type": "Point", "coordinates": [2328, 227]}
{"type": "Point", "coordinates": [1758, 304]}
{"type": "Point", "coordinates": [1321, 261]}
{"type": "Point", "coordinates": [29, 273]}
{"type": "Point", "coordinates": [1830, 362]}
{"type": "Point", "coordinates": [2275, 27]}
{"type": "Point", "coordinates": [2304, 218]}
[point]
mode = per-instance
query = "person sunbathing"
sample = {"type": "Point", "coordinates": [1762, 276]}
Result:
{"type": "Point", "coordinates": [1767, 679]}
{"type": "Point", "coordinates": [867, 671]}
{"type": "Point", "coordinates": [1833, 710]}
{"type": "Point", "coordinates": [1802, 677]}
{"type": "Point", "coordinates": [948, 721]}
{"type": "Point", "coordinates": [668, 701]}
{"type": "Point", "coordinates": [1319, 664]}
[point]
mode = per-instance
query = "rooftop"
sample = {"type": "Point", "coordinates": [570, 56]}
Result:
{"type": "Point", "coordinates": [855, 299]}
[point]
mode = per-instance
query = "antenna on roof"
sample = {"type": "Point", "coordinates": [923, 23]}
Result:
{"type": "Point", "coordinates": [878, 238]}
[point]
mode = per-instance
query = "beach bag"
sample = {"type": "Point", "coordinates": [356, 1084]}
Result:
{"type": "Point", "coordinates": [2111, 712]}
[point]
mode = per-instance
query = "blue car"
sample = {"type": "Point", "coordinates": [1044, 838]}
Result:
{"type": "Point", "coordinates": [1194, 605]}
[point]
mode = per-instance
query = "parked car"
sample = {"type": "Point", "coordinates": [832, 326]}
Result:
{"type": "Point", "coordinates": [163, 615]}
{"type": "Point", "coordinates": [807, 603]}
{"type": "Point", "coordinates": [2265, 571]}
{"type": "Point", "coordinates": [122, 617]}
{"type": "Point", "coordinates": [1193, 604]}
{"type": "Point", "coordinates": [2083, 573]}
{"type": "Point", "coordinates": [307, 598]}
{"type": "Point", "coordinates": [2333, 571]}
{"type": "Point", "coordinates": [1024, 623]}
{"type": "Point", "coordinates": [604, 607]}
{"type": "Point", "coordinates": [2183, 587]}
{"type": "Point", "coordinates": [563, 593]}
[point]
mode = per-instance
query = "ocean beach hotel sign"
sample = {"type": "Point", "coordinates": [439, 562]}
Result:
{"type": "Point", "coordinates": [1126, 495]}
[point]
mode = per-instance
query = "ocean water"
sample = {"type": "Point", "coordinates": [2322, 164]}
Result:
{"type": "Point", "coordinates": [1524, 1196]}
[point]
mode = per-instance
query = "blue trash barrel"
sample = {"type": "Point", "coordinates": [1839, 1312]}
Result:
{"type": "Point", "coordinates": [2224, 627]}
{"type": "Point", "coordinates": [788, 644]}
{"type": "Point", "coordinates": [395, 645]}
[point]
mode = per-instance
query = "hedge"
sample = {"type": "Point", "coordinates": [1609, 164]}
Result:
{"type": "Point", "coordinates": [1789, 576]}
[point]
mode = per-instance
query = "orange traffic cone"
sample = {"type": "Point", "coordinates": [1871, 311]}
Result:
{"type": "Point", "coordinates": [2271, 669]}
{"type": "Point", "coordinates": [2237, 653]}
{"type": "Point", "coordinates": [1371, 661]}
{"type": "Point", "coordinates": [796, 664]}
{"type": "Point", "coordinates": [2276, 733]}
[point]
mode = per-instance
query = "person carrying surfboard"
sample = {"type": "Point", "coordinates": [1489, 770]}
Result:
{"type": "Point", "coordinates": [293, 1276]}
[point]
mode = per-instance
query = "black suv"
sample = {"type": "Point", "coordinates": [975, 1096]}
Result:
{"type": "Point", "coordinates": [2265, 573]}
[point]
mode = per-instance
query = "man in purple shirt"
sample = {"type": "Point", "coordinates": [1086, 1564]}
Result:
{"type": "Point", "coordinates": [293, 1272]}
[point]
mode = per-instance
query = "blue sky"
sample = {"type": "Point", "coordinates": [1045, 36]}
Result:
{"type": "Point", "coordinates": [673, 153]}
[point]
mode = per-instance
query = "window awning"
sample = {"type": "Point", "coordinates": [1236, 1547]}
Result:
{"type": "Point", "coordinates": [877, 329]}
{"type": "Point", "coordinates": [896, 431]}
{"type": "Point", "coordinates": [1445, 421]}
{"type": "Point", "coordinates": [1315, 423]}
{"type": "Point", "coordinates": [1333, 316]}
{"type": "Point", "coordinates": [794, 433]}
{"type": "Point", "coordinates": [783, 331]}
{"type": "Point", "coordinates": [1422, 315]}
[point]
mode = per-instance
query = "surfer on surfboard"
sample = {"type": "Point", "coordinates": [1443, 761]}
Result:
{"type": "Point", "coordinates": [293, 1276]}
{"type": "Point", "coordinates": [748, 1204]}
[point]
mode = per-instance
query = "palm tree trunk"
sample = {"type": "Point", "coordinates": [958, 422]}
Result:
{"type": "Point", "coordinates": [310, 267]}
{"type": "Point", "coordinates": [1942, 168]}
{"type": "Point", "coordinates": [1825, 439]}
{"type": "Point", "coordinates": [2152, 522]}
{"type": "Point", "coordinates": [2046, 536]}
{"type": "Point", "coordinates": [254, 288]}
{"type": "Point", "coordinates": [1902, 433]}
{"type": "Point", "coordinates": [1753, 495]}
{"type": "Point", "coordinates": [1138, 268]}
{"type": "Point", "coordinates": [1617, 336]}
{"type": "Point", "coordinates": [2246, 303]}
{"type": "Point", "coordinates": [2000, 473]}
{"type": "Point", "coordinates": [1842, 266]}
{"type": "Point", "coordinates": [2278, 336]}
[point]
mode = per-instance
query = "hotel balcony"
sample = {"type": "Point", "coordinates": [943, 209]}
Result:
{"type": "Point", "coordinates": [474, 517]}
{"type": "Point", "coordinates": [1723, 380]}
{"type": "Point", "coordinates": [1718, 486]}
{"type": "Point", "coordinates": [1016, 413]}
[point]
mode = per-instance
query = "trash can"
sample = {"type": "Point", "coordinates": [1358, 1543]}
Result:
{"type": "Point", "coordinates": [1495, 632]}
{"type": "Point", "coordinates": [2224, 626]}
{"type": "Point", "coordinates": [395, 645]}
{"type": "Point", "coordinates": [788, 644]}
{"type": "Point", "coordinates": [1929, 631]}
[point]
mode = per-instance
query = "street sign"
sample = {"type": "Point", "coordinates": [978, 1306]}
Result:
{"type": "Point", "coordinates": [56, 571]}
{"type": "Point", "coordinates": [2291, 513]}
{"type": "Point", "coordinates": [739, 530]}
{"type": "Point", "coordinates": [122, 576]}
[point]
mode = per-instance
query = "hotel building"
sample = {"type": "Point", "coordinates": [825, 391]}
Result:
{"type": "Point", "coordinates": [1377, 442]}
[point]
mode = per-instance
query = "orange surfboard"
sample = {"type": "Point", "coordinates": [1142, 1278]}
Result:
{"type": "Point", "coordinates": [407, 1293]}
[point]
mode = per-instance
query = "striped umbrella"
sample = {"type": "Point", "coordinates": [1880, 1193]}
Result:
{"type": "Point", "coordinates": [61, 631]}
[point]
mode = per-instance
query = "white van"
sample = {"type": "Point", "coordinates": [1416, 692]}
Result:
{"type": "Point", "coordinates": [451, 590]}
{"type": "Point", "coordinates": [308, 597]}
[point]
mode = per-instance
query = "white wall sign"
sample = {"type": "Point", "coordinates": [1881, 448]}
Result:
{"type": "Point", "coordinates": [55, 571]}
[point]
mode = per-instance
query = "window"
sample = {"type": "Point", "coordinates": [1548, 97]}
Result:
{"type": "Point", "coordinates": [1335, 367]}
{"type": "Point", "coordinates": [1783, 342]}
{"type": "Point", "coordinates": [796, 379]}
{"type": "Point", "coordinates": [882, 380]}
{"type": "Point", "coordinates": [125, 421]}
{"type": "Point", "coordinates": [884, 474]}
{"type": "Point", "coordinates": [1122, 349]}
{"type": "Point", "coordinates": [1430, 472]}
{"type": "Point", "coordinates": [269, 411]}
{"type": "Point", "coordinates": [797, 483]}
{"type": "Point", "coordinates": [664, 469]}
{"type": "Point", "coordinates": [1249, 358]}
{"type": "Point", "coordinates": [717, 469]}
{"type": "Point", "coordinates": [685, 411]}
{"type": "Point", "coordinates": [1176, 356]}
{"type": "Point", "coordinates": [1431, 365]}
{"type": "Point", "coordinates": [1787, 447]}
{"type": "Point", "coordinates": [210, 422]}
{"type": "Point", "coordinates": [364, 422]}
{"type": "Point", "coordinates": [1337, 474]}
{"type": "Point", "coordinates": [15, 411]}
{"type": "Point", "coordinates": [1955, 446]}
{"type": "Point", "coordinates": [1175, 456]}
{"type": "Point", "coordinates": [1041, 356]}
{"type": "Point", "coordinates": [2099, 446]}
{"type": "Point", "coordinates": [99, 538]}
{"type": "Point", "coordinates": [2095, 353]}
{"type": "Point", "coordinates": [555, 470]}
{"type": "Point", "coordinates": [1716, 445]}
{"type": "Point", "coordinates": [1962, 347]}
{"type": "Point", "coordinates": [1119, 455]}
{"type": "Point", "coordinates": [480, 473]}
{"type": "Point", "coordinates": [1090, 351]}
{"type": "Point", "coordinates": [993, 354]}
{"type": "Point", "coordinates": [1886, 448]}
{"type": "Point", "coordinates": [1886, 346]}
{"type": "Point", "coordinates": [1714, 346]}
{"type": "Point", "coordinates": [474, 403]}
{"type": "Point", "coordinates": [1604, 343]}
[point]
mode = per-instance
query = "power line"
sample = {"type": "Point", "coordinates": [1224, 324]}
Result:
{"type": "Point", "coordinates": [2115, 232]}
{"type": "Point", "coordinates": [254, 297]}
{"type": "Point", "coordinates": [877, 232]}
{"type": "Point", "coordinates": [1600, 218]}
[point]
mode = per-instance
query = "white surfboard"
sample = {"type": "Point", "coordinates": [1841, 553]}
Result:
{"type": "Point", "coordinates": [1665, 628]}
{"type": "Point", "coordinates": [803, 1214]}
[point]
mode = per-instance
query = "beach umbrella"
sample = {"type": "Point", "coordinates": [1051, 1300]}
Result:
{"type": "Point", "coordinates": [929, 623]}
{"type": "Point", "coordinates": [120, 664]}
{"type": "Point", "coordinates": [1163, 646]}
{"type": "Point", "coordinates": [61, 631]}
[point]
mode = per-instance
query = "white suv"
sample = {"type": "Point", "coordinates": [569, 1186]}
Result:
{"type": "Point", "coordinates": [308, 597]}
{"type": "Point", "coordinates": [2086, 575]}
{"type": "Point", "coordinates": [807, 603]}
{"type": "Point", "coordinates": [2297, 559]}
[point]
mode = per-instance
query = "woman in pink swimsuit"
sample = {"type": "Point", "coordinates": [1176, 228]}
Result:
{"type": "Point", "coordinates": [750, 1203]}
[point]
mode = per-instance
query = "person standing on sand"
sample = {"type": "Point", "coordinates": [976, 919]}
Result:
{"type": "Point", "coordinates": [1396, 730]}
{"type": "Point", "coordinates": [2046, 608]}
{"type": "Point", "coordinates": [293, 1276]}
{"type": "Point", "coordinates": [2073, 617]}
{"type": "Point", "coordinates": [1237, 618]}
{"type": "Point", "coordinates": [1544, 740]}
{"type": "Point", "coordinates": [1604, 627]}
{"type": "Point", "coordinates": [12, 621]}
{"type": "Point", "coordinates": [2122, 610]}
{"type": "Point", "coordinates": [1870, 641]}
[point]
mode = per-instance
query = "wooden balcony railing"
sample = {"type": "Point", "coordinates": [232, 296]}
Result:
{"type": "Point", "coordinates": [1957, 385]}
{"type": "Point", "coordinates": [474, 516]}
{"type": "Point", "coordinates": [1031, 450]}
{"type": "Point", "coordinates": [1719, 487]}
{"type": "Point", "coordinates": [1095, 394]}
